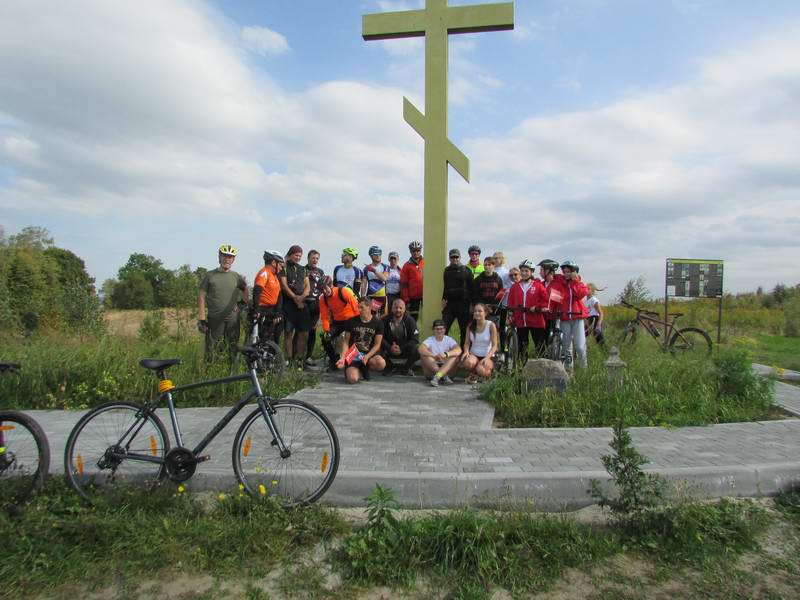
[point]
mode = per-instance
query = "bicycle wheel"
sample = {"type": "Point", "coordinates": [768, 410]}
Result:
{"type": "Point", "coordinates": [299, 479]}
{"type": "Point", "coordinates": [270, 358]}
{"type": "Point", "coordinates": [100, 458]}
{"type": "Point", "coordinates": [628, 335]}
{"type": "Point", "coordinates": [512, 351]}
{"type": "Point", "coordinates": [691, 341]}
{"type": "Point", "coordinates": [24, 457]}
{"type": "Point", "coordinates": [556, 346]}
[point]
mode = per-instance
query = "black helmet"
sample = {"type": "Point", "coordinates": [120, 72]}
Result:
{"type": "Point", "coordinates": [549, 264]}
{"type": "Point", "coordinates": [474, 248]}
{"type": "Point", "coordinates": [570, 264]}
{"type": "Point", "coordinates": [415, 245]}
{"type": "Point", "coordinates": [270, 256]}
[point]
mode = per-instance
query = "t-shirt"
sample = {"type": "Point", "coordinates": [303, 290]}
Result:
{"type": "Point", "coordinates": [505, 275]}
{"type": "Point", "coordinates": [476, 270]}
{"type": "Point", "coordinates": [485, 288]}
{"type": "Point", "coordinates": [270, 287]}
{"type": "Point", "coordinates": [393, 283]}
{"type": "Point", "coordinates": [374, 284]}
{"type": "Point", "coordinates": [436, 347]}
{"type": "Point", "coordinates": [315, 277]}
{"type": "Point", "coordinates": [295, 276]}
{"type": "Point", "coordinates": [591, 304]}
{"type": "Point", "coordinates": [348, 276]}
{"type": "Point", "coordinates": [223, 290]}
{"type": "Point", "coordinates": [363, 334]}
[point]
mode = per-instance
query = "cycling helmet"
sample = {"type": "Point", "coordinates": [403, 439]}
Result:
{"type": "Point", "coordinates": [549, 264]}
{"type": "Point", "coordinates": [228, 250]}
{"type": "Point", "coordinates": [474, 248]}
{"type": "Point", "coordinates": [526, 264]}
{"type": "Point", "coordinates": [414, 246]}
{"type": "Point", "coordinates": [570, 264]}
{"type": "Point", "coordinates": [373, 250]}
{"type": "Point", "coordinates": [351, 251]}
{"type": "Point", "coordinates": [270, 256]}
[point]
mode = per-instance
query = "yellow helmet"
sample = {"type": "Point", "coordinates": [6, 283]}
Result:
{"type": "Point", "coordinates": [228, 249]}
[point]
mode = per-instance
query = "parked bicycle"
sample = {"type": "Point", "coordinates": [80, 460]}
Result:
{"type": "Point", "coordinates": [271, 358]}
{"type": "Point", "coordinates": [555, 347]}
{"type": "Point", "coordinates": [24, 453]}
{"type": "Point", "coordinates": [284, 448]}
{"type": "Point", "coordinates": [689, 340]}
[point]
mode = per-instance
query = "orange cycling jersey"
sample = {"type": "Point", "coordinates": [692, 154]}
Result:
{"type": "Point", "coordinates": [270, 287]}
{"type": "Point", "coordinates": [342, 303]}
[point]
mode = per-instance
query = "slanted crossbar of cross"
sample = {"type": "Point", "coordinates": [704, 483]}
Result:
{"type": "Point", "coordinates": [435, 22]}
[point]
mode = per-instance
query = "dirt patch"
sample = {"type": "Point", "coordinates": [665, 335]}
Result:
{"type": "Point", "coordinates": [126, 323]}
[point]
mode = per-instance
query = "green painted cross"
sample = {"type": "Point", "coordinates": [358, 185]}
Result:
{"type": "Point", "coordinates": [436, 21]}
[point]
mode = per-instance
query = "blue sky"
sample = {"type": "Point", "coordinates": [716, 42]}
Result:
{"type": "Point", "coordinates": [616, 133]}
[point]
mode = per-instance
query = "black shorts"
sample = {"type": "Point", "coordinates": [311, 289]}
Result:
{"type": "Point", "coordinates": [296, 319]}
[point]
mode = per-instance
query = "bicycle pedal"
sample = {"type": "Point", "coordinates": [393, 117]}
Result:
{"type": "Point", "coordinates": [203, 458]}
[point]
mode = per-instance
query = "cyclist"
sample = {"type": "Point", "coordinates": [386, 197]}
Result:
{"type": "Point", "coordinates": [373, 285]}
{"type": "Point", "coordinates": [481, 345]}
{"type": "Point", "coordinates": [475, 265]}
{"type": "Point", "coordinates": [315, 280]}
{"type": "Point", "coordinates": [362, 337]}
{"type": "Point", "coordinates": [439, 354]}
{"type": "Point", "coordinates": [400, 339]}
{"type": "Point", "coordinates": [513, 277]}
{"type": "Point", "coordinates": [573, 311]}
{"type": "Point", "coordinates": [554, 293]}
{"type": "Point", "coordinates": [411, 279]}
{"type": "Point", "coordinates": [456, 294]}
{"type": "Point", "coordinates": [393, 280]}
{"type": "Point", "coordinates": [347, 273]}
{"type": "Point", "coordinates": [297, 319]}
{"type": "Point", "coordinates": [528, 295]}
{"type": "Point", "coordinates": [488, 289]}
{"type": "Point", "coordinates": [223, 294]}
{"type": "Point", "coordinates": [267, 307]}
{"type": "Point", "coordinates": [337, 305]}
{"type": "Point", "coordinates": [594, 324]}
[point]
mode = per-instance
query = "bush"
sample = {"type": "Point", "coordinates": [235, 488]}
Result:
{"type": "Point", "coordinates": [791, 317]}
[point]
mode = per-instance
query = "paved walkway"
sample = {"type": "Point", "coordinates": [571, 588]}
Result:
{"type": "Point", "coordinates": [435, 447]}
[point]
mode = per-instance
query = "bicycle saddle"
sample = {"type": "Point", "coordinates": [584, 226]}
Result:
{"type": "Point", "coordinates": [676, 315]}
{"type": "Point", "coordinates": [155, 363]}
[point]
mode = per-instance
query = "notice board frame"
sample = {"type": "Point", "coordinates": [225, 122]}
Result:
{"type": "Point", "coordinates": [694, 261]}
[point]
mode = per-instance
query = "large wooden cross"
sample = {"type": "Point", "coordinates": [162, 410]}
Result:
{"type": "Point", "coordinates": [436, 21]}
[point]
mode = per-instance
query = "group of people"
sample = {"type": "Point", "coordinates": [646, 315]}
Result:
{"type": "Point", "coordinates": [369, 314]}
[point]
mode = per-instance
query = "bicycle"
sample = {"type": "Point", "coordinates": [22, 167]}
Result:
{"type": "Point", "coordinates": [284, 448]}
{"type": "Point", "coordinates": [24, 453]}
{"type": "Point", "coordinates": [271, 358]}
{"type": "Point", "coordinates": [689, 340]}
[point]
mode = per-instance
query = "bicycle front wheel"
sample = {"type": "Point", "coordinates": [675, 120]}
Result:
{"type": "Point", "coordinates": [270, 358]}
{"type": "Point", "coordinates": [512, 350]}
{"type": "Point", "coordinates": [556, 347]}
{"type": "Point", "coordinates": [113, 448]}
{"type": "Point", "coordinates": [24, 457]}
{"type": "Point", "coordinates": [305, 475]}
{"type": "Point", "coordinates": [690, 341]}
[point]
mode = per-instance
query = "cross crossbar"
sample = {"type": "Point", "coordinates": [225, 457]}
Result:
{"type": "Point", "coordinates": [458, 19]}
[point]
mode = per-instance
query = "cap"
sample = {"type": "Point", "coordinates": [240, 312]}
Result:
{"type": "Point", "coordinates": [394, 255]}
{"type": "Point", "coordinates": [438, 323]}
{"type": "Point", "coordinates": [294, 250]}
{"type": "Point", "coordinates": [455, 252]}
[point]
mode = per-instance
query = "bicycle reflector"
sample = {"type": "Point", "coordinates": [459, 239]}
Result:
{"type": "Point", "coordinates": [79, 464]}
{"type": "Point", "coordinates": [6, 428]}
{"type": "Point", "coordinates": [247, 443]}
{"type": "Point", "coordinates": [165, 385]}
{"type": "Point", "coordinates": [324, 464]}
{"type": "Point", "coordinates": [153, 445]}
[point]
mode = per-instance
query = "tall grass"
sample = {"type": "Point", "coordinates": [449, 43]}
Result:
{"type": "Point", "coordinates": [657, 389]}
{"type": "Point", "coordinates": [61, 372]}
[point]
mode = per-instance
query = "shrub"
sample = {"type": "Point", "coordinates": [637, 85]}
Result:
{"type": "Point", "coordinates": [791, 317]}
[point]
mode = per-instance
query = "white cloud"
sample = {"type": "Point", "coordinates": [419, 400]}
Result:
{"type": "Point", "coordinates": [264, 41]}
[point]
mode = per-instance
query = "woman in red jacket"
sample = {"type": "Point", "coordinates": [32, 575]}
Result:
{"type": "Point", "coordinates": [526, 301]}
{"type": "Point", "coordinates": [573, 310]}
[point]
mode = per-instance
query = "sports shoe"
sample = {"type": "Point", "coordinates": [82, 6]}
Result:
{"type": "Point", "coordinates": [309, 362]}
{"type": "Point", "coordinates": [365, 375]}
{"type": "Point", "coordinates": [435, 381]}
{"type": "Point", "coordinates": [410, 373]}
{"type": "Point", "coordinates": [446, 380]}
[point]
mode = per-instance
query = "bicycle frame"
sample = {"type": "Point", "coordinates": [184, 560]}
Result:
{"type": "Point", "coordinates": [254, 391]}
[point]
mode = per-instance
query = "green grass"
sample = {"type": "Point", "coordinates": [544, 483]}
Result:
{"type": "Point", "coordinates": [73, 373]}
{"type": "Point", "coordinates": [657, 389]}
{"type": "Point", "coordinates": [773, 350]}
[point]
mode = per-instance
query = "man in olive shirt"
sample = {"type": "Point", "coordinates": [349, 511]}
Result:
{"type": "Point", "coordinates": [223, 293]}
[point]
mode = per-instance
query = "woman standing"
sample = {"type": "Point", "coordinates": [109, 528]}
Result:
{"type": "Point", "coordinates": [480, 346]}
{"type": "Point", "coordinates": [393, 280]}
{"type": "Point", "coordinates": [595, 321]}
{"type": "Point", "coordinates": [528, 297]}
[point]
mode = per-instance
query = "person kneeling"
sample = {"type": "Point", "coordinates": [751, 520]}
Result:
{"type": "Point", "coordinates": [439, 355]}
{"type": "Point", "coordinates": [400, 339]}
{"type": "Point", "coordinates": [361, 344]}
{"type": "Point", "coordinates": [481, 345]}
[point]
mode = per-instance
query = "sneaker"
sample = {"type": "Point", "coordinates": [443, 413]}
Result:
{"type": "Point", "coordinates": [472, 379]}
{"type": "Point", "coordinates": [435, 381]}
{"type": "Point", "coordinates": [309, 362]}
{"type": "Point", "coordinates": [410, 373]}
{"type": "Point", "coordinates": [446, 380]}
{"type": "Point", "coordinates": [365, 375]}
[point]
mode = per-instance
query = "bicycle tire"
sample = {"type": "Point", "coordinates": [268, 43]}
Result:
{"type": "Point", "coordinates": [556, 346]}
{"type": "Point", "coordinates": [512, 352]}
{"type": "Point", "coordinates": [271, 359]}
{"type": "Point", "coordinates": [628, 335]}
{"type": "Point", "coordinates": [300, 479]}
{"type": "Point", "coordinates": [691, 341]}
{"type": "Point", "coordinates": [95, 434]}
{"type": "Point", "coordinates": [24, 457]}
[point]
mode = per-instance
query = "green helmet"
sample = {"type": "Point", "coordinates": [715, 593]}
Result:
{"type": "Point", "coordinates": [549, 264]}
{"type": "Point", "coordinates": [351, 251]}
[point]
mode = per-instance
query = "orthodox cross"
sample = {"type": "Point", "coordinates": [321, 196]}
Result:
{"type": "Point", "coordinates": [436, 21]}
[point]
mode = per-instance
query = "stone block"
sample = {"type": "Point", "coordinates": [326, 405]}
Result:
{"type": "Point", "coordinates": [543, 374]}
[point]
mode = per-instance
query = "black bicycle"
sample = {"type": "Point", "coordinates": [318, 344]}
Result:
{"type": "Point", "coordinates": [24, 453]}
{"type": "Point", "coordinates": [285, 448]}
{"type": "Point", "coordinates": [271, 358]}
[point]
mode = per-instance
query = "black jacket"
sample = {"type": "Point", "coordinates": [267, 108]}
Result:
{"type": "Point", "coordinates": [457, 283]}
{"type": "Point", "coordinates": [409, 331]}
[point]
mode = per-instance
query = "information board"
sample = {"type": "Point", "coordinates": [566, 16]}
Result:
{"type": "Point", "coordinates": [689, 278]}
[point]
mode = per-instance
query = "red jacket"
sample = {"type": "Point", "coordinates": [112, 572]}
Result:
{"type": "Point", "coordinates": [552, 298]}
{"type": "Point", "coordinates": [574, 293]}
{"type": "Point", "coordinates": [411, 280]}
{"type": "Point", "coordinates": [534, 297]}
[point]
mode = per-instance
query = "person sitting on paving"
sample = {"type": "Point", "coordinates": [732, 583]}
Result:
{"type": "Point", "coordinates": [400, 339]}
{"type": "Point", "coordinates": [439, 354]}
{"type": "Point", "coordinates": [481, 345]}
{"type": "Point", "coordinates": [361, 344]}
{"type": "Point", "coordinates": [337, 305]}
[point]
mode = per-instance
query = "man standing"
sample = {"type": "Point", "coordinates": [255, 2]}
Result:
{"type": "Point", "coordinates": [475, 265]}
{"type": "Point", "coordinates": [296, 288]}
{"type": "Point", "coordinates": [347, 273]}
{"type": "Point", "coordinates": [316, 278]}
{"type": "Point", "coordinates": [222, 295]}
{"type": "Point", "coordinates": [411, 280]}
{"type": "Point", "coordinates": [488, 289]}
{"type": "Point", "coordinates": [400, 338]}
{"type": "Point", "coordinates": [373, 285]}
{"type": "Point", "coordinates": [456, 294]}
{"type": "Point", "coordinates": [267, 298]}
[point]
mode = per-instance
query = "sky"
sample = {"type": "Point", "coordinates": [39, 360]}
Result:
{"type": "Point", "coordinates": [615, 133]}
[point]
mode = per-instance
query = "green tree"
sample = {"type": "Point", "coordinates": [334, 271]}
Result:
{"type": "Point", "coordinates": [135, 291]}
{"type": "Point", "coordinates": [181, 289]}
{"type": "Point", "coordinates": [151, 269]}
{"type": "Point", "coordinates": [635, 292]}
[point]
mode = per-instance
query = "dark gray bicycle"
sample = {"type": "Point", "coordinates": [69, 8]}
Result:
{"type": "Point", "coordinates": [287, 449]}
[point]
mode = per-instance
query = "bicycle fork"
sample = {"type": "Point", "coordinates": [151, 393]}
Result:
{"type": "Point", "coordinates": [265, 411]}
